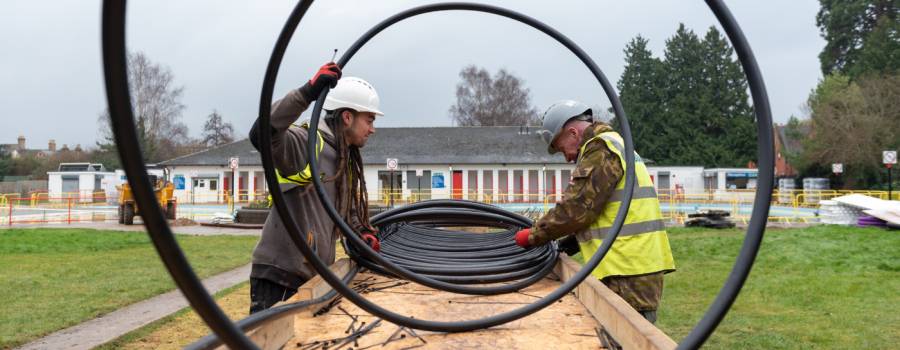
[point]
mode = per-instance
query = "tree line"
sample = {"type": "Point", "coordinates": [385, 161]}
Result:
{"type": "Point", "coordinates": [162, 135]}
{"type": "Point", "coordinates": [854, 111]}
{"type": "Point", "coordinates": [689, 107]}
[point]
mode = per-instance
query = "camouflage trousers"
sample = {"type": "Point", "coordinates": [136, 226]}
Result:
{"type": "Point", "coordinates": [641, 292]}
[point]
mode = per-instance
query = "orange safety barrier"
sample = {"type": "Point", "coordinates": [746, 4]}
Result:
{"type": "Point", "coordinates": [39, 208]}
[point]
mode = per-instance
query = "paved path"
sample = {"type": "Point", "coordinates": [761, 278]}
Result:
{"type": "Point", "coordinates": [184, 230]}
{"type": "Point", "coordinates": [113, 325]}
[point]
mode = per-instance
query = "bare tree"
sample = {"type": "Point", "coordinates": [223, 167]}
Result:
{"type": "Point", "coordinates": [157, 107]}
{"type": "Point", "coordinates": [501, 100]}
{"type": "Point", "coordinates": [852, 122]}
{"type": "Point", "coordinates": [216, 131]}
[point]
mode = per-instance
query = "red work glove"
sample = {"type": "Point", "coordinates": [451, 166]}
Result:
{"type": "Point", "coordinates": [328, 75]}
{"type": "Point", "coordinates": [522, 238]}
{"type": "Point", "coordinates": [371, 240]}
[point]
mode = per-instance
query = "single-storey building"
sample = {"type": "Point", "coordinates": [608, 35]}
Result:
{"type": "Point", "coordinates": [503, 164]}
{"type": "Point", "coordinates": [84, 181]}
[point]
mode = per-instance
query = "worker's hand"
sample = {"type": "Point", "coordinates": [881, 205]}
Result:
{"type": "Point", "coordinates": [522, 238]}
{"type": "Point", "coordinates": [328, 75]}
{"type": "Point", "coordinates": [371, 240]}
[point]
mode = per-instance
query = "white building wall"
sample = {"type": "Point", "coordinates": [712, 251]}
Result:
{"type": "Point", "coordinates": [86, 182]}
{"type": "Point", "coordinates": [375, 190]}
{"type": "Point", "coordinates": [689, 177]}
{"type": "Point", "coordinates": [190, 173]}
{"type": "Point", "coordinates": [54, 185]}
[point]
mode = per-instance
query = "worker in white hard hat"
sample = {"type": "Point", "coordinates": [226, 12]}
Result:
{"type": "Point", "coordinates": [351, 108]}
{"type": "Point", "coordinates": [634, 266]}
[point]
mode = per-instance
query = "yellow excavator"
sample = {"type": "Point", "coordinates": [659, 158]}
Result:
{"type": "Point", "coordinates": [164, 190]}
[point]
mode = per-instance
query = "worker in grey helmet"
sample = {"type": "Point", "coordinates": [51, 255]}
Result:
{"type": "Point", "coordinates": [351, 107]}
{"type": "Point", "coordinates": [634, 266]}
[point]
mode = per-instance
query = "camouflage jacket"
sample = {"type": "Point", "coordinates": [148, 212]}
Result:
{"type": "Point", "coordinates": [595, 178]}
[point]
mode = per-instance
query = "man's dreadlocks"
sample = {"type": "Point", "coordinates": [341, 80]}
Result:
{"type": "Point", "coordinates": [352, 197]}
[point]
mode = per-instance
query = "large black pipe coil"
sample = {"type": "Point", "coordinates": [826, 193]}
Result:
{"type": "Point", "coordinates": [428, 238]}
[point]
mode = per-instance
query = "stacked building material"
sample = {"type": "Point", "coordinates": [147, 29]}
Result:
{"type": "Point", "coordinates": [836, 213]}
{"type": "Point", "coordinates": [849, 209]}
{"type": "Point", "coordinates": [868, 220]}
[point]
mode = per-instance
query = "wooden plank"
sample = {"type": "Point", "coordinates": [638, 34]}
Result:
{"type": "Point", "coordinates": [622, 321]}
{"type": "Point", "coordinates": [274, 335]}
{"type": "Point", "coordinates": [317, 286]}
{"type": "Point", "coordinates": [562, 325]}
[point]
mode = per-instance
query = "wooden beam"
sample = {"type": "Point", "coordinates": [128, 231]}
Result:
{"type": "Point", "coordinates": [274, 335]}
{"type": "Point", "coordinates": [317, 286]}
{"type": "Point", "coordinates": [625, 324]}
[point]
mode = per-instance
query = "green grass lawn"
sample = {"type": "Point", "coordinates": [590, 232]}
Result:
{"type": "Point", "coordinates": [54, 278]}
{"type": "Point", "coordinates": [819, 287]}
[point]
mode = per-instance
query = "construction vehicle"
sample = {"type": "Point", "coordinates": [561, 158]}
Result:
{"type": "Point", "coordinates": [164, 190]}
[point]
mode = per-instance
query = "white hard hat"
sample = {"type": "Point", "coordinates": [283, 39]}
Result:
{"type": "Point", "coordinates": [353, 93]}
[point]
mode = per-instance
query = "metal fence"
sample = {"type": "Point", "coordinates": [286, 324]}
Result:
{"type": "Point", "coordinates": [788, 207]}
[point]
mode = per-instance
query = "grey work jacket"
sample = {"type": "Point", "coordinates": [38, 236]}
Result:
{"type": "Point", "coordinates": [275, 257]}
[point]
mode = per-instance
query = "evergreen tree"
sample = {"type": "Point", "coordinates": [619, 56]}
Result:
{"type": "Point", "coordinates": [881, 55]}
{"type": "Point", "coordinates": [849, 28]}
{"type": "Point", "coordinates": [730, 128]}
{"type": "Point", "coordinates": [641, 92]}
{"type": "Point", "coordinates": [687, 101]}
{"type": "Point", "coordinates": [691, 108]}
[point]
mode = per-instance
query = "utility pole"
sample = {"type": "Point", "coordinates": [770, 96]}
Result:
{"type": "Point", "coordinates": [889, 158]}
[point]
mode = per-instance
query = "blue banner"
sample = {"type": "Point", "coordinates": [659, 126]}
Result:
{"type": "Point", "coordinates": [437, 180]}
{"type": "Point", "coordinates": [179, 182]}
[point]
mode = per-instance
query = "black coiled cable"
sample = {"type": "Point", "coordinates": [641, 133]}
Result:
{"type": "Point", "coordinates": [417, 238]}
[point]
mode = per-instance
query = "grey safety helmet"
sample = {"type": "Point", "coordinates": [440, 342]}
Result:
{"type": "Point", "coordinates": [558, 115]}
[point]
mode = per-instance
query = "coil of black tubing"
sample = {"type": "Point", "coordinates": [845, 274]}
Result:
{"type": "Point", "coordinates": [410, 237]}
{"type": "Point", "coordinates": [118, 98]}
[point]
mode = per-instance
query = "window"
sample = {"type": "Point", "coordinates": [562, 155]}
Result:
{"type": "Point", "coordinates": [533, 181]}
{"type": "Point", "coordinates": [473, 184]}
{"type": "Point", "coordinates": [488, 182]}
{"type": "Point", "coordinates": [213, 184]}
{"type": "Point", "coordinates": [502, 184]}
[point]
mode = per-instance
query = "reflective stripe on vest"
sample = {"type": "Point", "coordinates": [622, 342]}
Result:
{"type": "Point", "coordinates": [303, 177]}
{"type": "Point", "coordinates": [642, 246]}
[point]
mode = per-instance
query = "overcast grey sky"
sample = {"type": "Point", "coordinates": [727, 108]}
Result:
{"type": "Point", "coordinates": [51, 84]}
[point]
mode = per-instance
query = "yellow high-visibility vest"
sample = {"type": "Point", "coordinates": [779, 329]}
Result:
{"type": "Point", "coordinates": [642, 246]}
{"type": "Point", "coordinates": [303, 177]}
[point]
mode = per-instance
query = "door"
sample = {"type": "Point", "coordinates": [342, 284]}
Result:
{"type": "Point", "coordinates": [473, 185]}
{"type": "Point", "coordinates": [503, 185]}
{"type": "Point", "coordinates": [457, 184]}
{"type": "Point", "coordinates": [227, 189]}
{"type": "Point", "coordinates": [533, 193]}
{"type": "Point", "coordinates": [69, 186]}
{"type": "Point", "coordinates": [242, 186]}
{"type": "Point", "coordinates": [518, 183]}
{"type": "Point", "coordinates": [550, 185]}
{"type": "Point", "coordinates": [663, 185]}
{"type": "Point", "coordinates": [488, 184]}
{"type": "Point", "coordinates": [419, 186]}
{"type": "Point", "coordinates": [391, 185]}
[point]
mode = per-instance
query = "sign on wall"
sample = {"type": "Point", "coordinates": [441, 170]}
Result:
{"type": "Point", "coordinates": [179, 182]}
{"type": "Point", "coordinates": [437, 180]}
